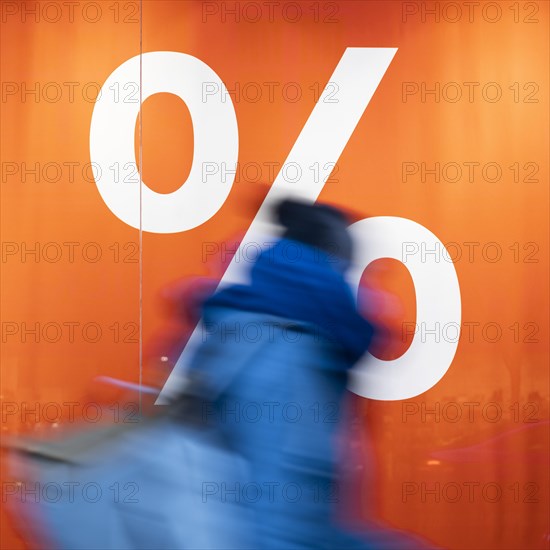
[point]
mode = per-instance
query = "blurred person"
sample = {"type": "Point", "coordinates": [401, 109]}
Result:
{"type": "Point", "coordinates": [273, 369]}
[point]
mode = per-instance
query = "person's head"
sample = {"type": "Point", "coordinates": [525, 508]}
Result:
{"type": "Point", "coordinates": [318, 225]}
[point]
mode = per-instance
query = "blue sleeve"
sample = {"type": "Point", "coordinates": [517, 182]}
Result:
{"type": "Point", "coordinates": [348, 326]}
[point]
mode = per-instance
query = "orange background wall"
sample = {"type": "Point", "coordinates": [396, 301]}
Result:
{"type": "Point", "coordinates": [509, 375]}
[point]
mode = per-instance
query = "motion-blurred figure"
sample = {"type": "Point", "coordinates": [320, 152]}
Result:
{"type": "Point", "coordinates": [274, 365]}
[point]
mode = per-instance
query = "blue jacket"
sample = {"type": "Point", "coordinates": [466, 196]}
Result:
{"type": "Point", "coordinates": [275, 359]}
{"type": "Point", "coordinates": [302, 283]}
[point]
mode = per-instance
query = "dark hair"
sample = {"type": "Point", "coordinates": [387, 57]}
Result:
{"type": "Point", "coordinates": [319, 225]}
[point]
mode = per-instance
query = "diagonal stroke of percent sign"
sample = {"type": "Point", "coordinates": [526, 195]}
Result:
{"type": "Point", "coordinates": [322, 140]}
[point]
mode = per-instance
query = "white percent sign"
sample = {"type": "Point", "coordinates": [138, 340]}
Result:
{"type": "Point", "coordinates": [322, 140]}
